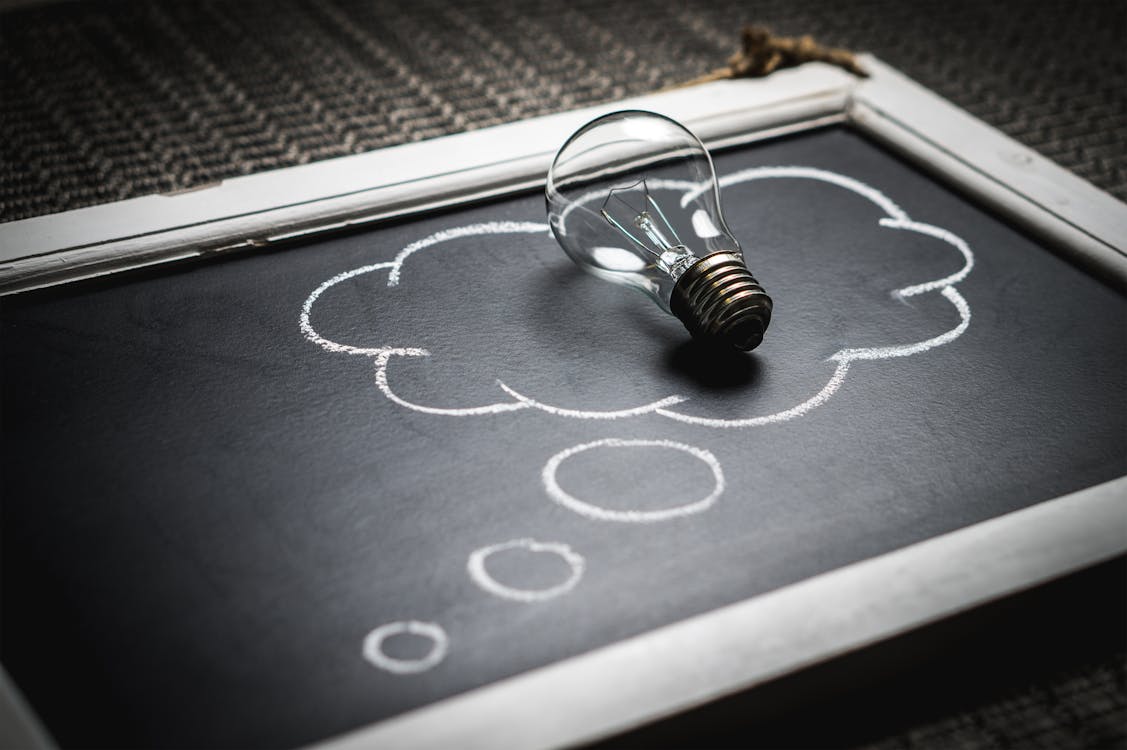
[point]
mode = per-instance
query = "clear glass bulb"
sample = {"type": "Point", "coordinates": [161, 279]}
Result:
{"type": "Point", "coordinates": [633, 199]}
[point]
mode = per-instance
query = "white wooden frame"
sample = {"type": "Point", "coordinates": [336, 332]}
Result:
{"type": "Point", "coordinates": [721, 652]}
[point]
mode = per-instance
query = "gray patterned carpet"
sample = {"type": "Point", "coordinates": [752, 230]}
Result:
{"type": "Point", "coordinates": [110, 100]}
{"type": "Point", "coordinates": [101, 101]}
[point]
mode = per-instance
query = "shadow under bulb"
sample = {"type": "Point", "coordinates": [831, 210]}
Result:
{"type": "Point", "coordinates": [632, 198]}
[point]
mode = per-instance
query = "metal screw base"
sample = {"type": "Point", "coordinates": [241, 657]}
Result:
{"type": "Point", "coordinates": [719, 301]}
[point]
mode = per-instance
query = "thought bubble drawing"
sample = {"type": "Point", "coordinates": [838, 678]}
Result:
{"type": "Point", "coordinates": [323, 310]}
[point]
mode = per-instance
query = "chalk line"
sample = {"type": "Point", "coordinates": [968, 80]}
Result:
{"type": "Point", "coordinates": [940, 234]}
{"type": "Point", "coordinates": [885, 203]}
{"type": "Point", "coordinates": [306, 326]}
{"type": "Point", "coordinates": [581, 414]}
{"type": "Point", "coordinates": [381, 355]}
{"type": "Point", "coordinates": [843, 358]}
{"type": "Point", "coordinates": [470, 230]}
{"type": "Point", "coordinates": [813, 402]}
{"type": "Point", "coordinates": [394, 269]}
{"type": "Point", "coordinates": [888, 352]}
{"type": "Point", "coordinates": [374, 653]}
{"type": "Point", "coordinates": [385, 389]}
{"type": "Point", "coordinates": [475, 566]}
{"type": "Point", "coordinates": [598, 513]}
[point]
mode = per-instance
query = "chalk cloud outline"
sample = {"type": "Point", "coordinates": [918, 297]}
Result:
{"type": "Point", "coordinates": [895, 218]}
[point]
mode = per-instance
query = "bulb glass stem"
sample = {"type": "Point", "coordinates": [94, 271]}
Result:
{"type": "Point", "coordinates": [671, 255]}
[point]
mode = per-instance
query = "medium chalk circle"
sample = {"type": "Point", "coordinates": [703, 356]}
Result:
{"type": "Point", "coordinates": [476, 568]}
{"type": "Point", "coordinates": [591, 510]}
{"type": "Point", "coordinates": [374, 653]}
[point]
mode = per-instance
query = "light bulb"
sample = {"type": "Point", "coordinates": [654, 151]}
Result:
{"type": "Point", "coordinates": [633, 199]}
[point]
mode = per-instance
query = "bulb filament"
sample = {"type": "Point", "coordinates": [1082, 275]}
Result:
{"type": "Point", "coordinates": [672, 256]}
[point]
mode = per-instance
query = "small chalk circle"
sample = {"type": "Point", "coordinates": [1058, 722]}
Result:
{"type": "Point", "coordinates": [374, 653]}
{"type": "Point", "coordinates": [475, 566]}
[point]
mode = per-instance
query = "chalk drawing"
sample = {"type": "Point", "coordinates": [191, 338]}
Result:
{"type": "Point", "coordinates": [475, 566]}
{"type": "Point", "coordinates": [843, 358]}
{"type": "Point", "coordinates": [895, 218]}
{"type": "Point", "coordinates": [394, 269]}
{"type": "Point", "coordinates": [382, 384]}
{"type": "Point", "coordinates": [598, 513]}
{"type": "Point", "coordinates": [585, 414]}
{"type": "Point", "coordinates": [491, 227]}
{"type": "Point", "coordinates": [374, 653]}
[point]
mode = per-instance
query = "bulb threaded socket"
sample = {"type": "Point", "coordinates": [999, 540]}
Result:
{"type": "Point", "coordinates": [719, 300]}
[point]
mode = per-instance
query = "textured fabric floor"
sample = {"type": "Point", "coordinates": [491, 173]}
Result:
{"type": "Point", "coordinates": [1081, 708]}
{"type": "Point", "coordinates": [104, 101]}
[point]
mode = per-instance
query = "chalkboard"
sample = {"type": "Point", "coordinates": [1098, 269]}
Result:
{"type": "Point", "coordinates": [262, 501]}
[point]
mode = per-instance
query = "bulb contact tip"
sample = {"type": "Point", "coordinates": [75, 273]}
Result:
{"type": "Point", "coordinates": [719, 301]}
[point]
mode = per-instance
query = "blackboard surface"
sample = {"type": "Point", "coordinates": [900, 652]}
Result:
{"type": "Point", "coordinates": [208, 508]}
